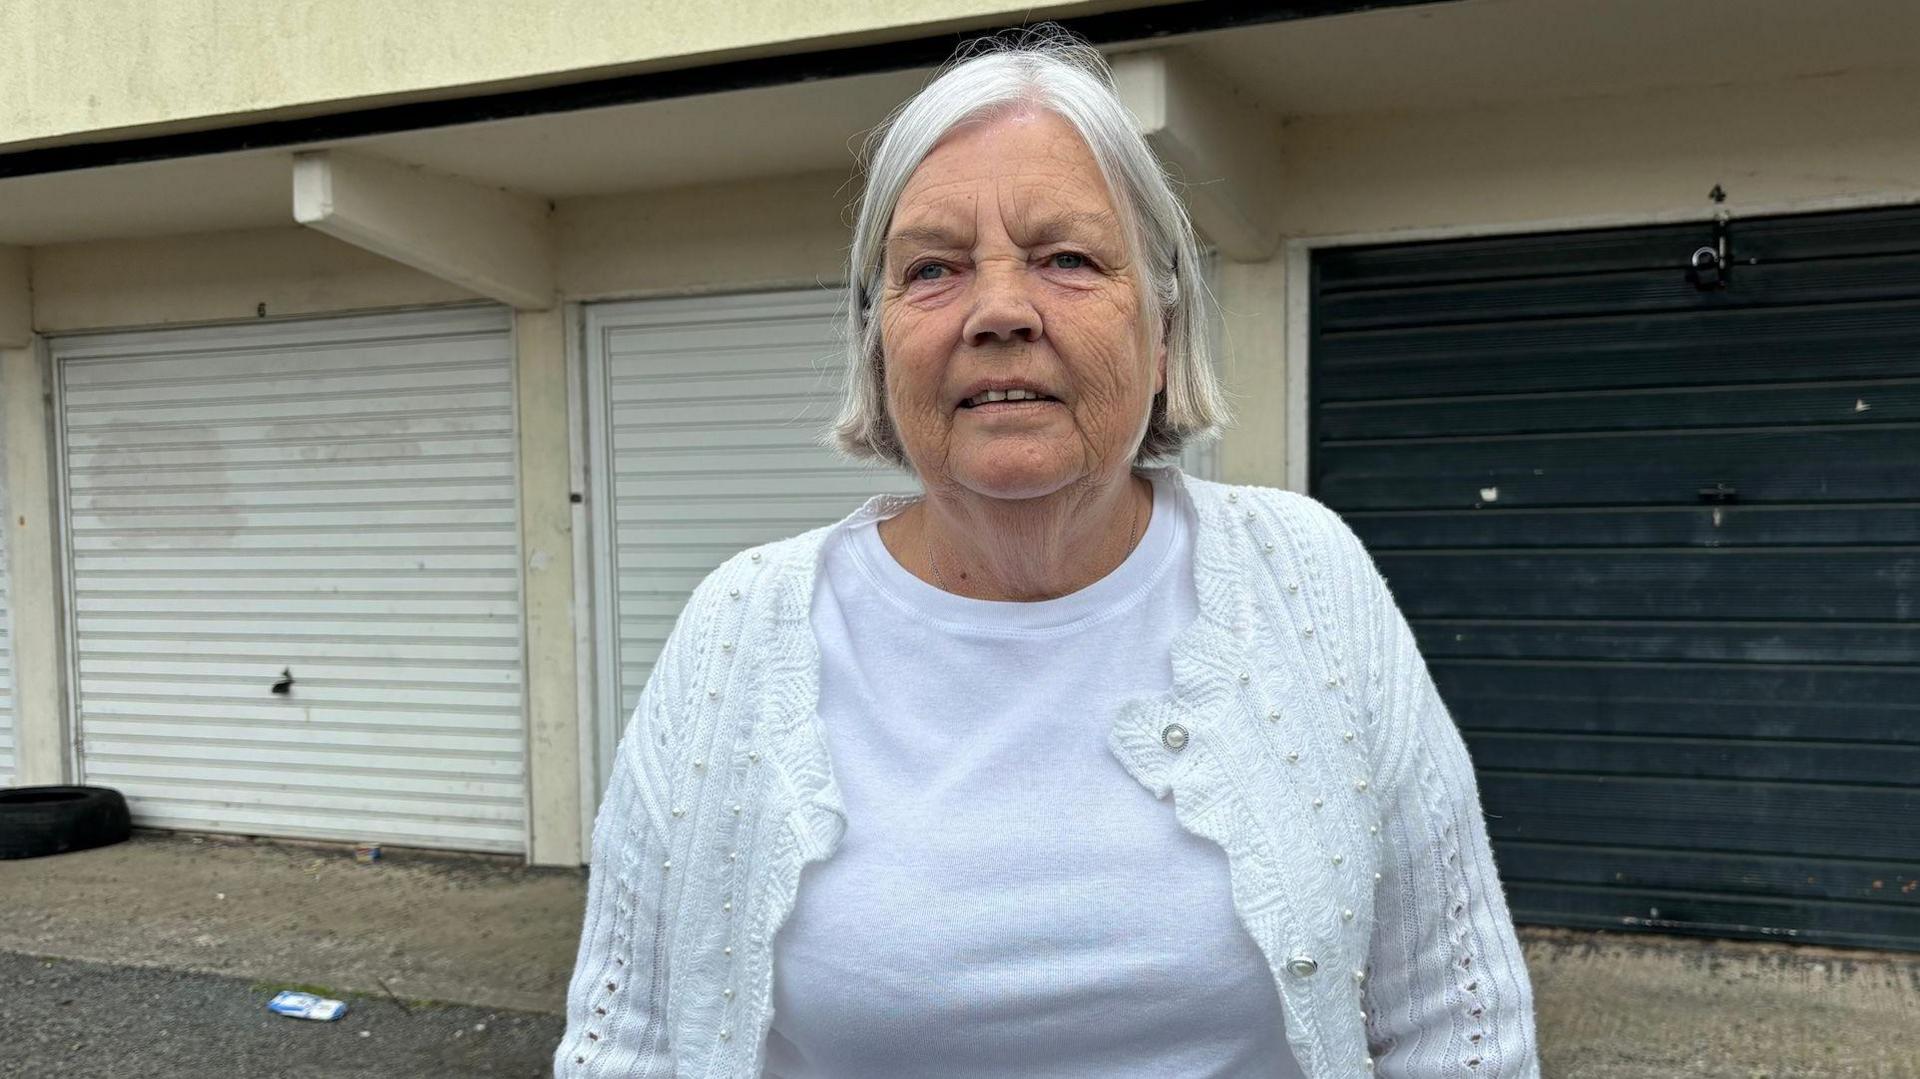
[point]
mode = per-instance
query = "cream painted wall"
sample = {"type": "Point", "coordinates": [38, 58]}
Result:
{"type": "Point", "coordinates": [112, 66]}
{"type": "Point", "coordinates": [547, 579]}
{"type": "Point", "coordinates": [1252, 298]}
{"type": "Point", "coordinates": [724, 237]}
{"type": "Point", "coordinates": [16, 298]}
{"type": "Point", "coordinates": [34, 594]}
{"type": "Point", "coordinates": [218, 277]}
{"type": "Point", "coordinates": [719, 237]}
{"type": "Point", "coordinates": [1631, 158]}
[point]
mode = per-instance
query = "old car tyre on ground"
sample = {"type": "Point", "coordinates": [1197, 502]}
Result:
{"type": "Point", "coordinates": [36, 821]}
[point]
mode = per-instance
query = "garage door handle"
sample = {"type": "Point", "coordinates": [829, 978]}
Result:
{"type": "Point", "coordinates": [1719, 492]}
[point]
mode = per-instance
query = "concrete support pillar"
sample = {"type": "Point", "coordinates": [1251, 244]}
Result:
{"type": "Point", "coordinates": [546, 535]}
{"type": "Point", "coordinates": [34, 593]}
{"type": "Point", "coordinates": [1254, 299]}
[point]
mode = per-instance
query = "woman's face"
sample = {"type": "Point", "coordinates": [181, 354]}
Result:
{"type": "Point", "coordinates": [1006, 265]}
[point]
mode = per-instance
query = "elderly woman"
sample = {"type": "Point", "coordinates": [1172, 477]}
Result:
{"type": "Point", "coordinates": [1070, 766]}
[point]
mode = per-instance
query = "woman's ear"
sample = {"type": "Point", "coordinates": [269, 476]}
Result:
{"type": "Point", "coordinates": [1161, 363]}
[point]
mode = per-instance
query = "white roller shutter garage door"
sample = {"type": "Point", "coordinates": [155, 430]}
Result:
{"type": "Point", "coordinates": [705, 418]}
{"type": "Point", "coordinates": [329, 501]}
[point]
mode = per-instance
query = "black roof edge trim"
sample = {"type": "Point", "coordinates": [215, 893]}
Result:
{"type": "Point", "coordinates": [1135, 25]}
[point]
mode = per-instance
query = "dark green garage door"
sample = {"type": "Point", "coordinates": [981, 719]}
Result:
{"type": "Point", "coordinates": [1660, 541]}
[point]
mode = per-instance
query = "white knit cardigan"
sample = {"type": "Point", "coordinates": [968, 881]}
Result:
{"type": "Point", "coordinates": [1302, 734]}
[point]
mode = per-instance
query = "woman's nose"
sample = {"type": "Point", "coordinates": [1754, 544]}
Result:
{"type": "Point", "coordinates": [1002, 309]}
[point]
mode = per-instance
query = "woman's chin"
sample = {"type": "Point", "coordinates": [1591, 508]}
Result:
{"type": "Point", "coordinates": [1016, 476]}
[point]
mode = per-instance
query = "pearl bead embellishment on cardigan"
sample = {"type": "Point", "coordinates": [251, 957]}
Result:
{"type": "Point", "coordinates": [1174, 737]}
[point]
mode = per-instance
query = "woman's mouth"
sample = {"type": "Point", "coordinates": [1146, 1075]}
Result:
{"type": "Point", "coordinates": [1000, 400]}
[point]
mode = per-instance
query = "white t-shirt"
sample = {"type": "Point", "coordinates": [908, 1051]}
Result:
{"type": "Point", "coordinates": [1007, 901]}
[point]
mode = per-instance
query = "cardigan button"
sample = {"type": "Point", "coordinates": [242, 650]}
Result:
{"type": "Point", "coordinates": [1174, 737]}
{"type": "Point", "coordinates": [1302, 966]}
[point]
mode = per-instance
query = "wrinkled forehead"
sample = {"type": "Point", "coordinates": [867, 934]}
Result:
{"type": "Point", "coordinates": [1033, 172]}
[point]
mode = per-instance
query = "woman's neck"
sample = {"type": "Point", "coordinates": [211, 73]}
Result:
{"type": "Point", "coordinates": [1022, 550]}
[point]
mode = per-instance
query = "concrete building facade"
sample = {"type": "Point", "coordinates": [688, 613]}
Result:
{"type": "Point", "coordinates": [377, 379]}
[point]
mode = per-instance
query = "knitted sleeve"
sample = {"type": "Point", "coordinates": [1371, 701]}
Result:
{"type": "Point", "coordinates": [1446, 989]}
{"type": "Point", "coordinates": [616, 1024]}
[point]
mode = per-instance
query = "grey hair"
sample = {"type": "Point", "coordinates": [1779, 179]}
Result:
{"type": "Point", "coordinates": [1046, 67]}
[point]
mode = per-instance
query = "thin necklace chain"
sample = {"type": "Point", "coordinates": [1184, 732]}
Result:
{"type": "Point", "coordinates": [1133, 537]}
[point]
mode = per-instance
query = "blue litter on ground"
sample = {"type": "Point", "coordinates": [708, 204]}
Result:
{"type": "Point", "coordinates": [307, 1006]}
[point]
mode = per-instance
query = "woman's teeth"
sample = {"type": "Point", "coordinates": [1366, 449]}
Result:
{"type": "Point", "coordinates": [1003, 395]}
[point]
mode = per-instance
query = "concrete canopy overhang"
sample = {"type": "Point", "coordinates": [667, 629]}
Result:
{"type": "Point", "coordinates": [1407, 59]}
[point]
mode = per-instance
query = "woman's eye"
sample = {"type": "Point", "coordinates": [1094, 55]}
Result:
{"type": "Point", "coordinates": [1070, 260]}
{"type": "Point", "coordinates": [919, 273]}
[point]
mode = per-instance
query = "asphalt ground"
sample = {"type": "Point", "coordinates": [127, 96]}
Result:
{"type": "Point", "coordinates": [498, 939]}
{"type": "Point", "coordinates": [61, 1017]}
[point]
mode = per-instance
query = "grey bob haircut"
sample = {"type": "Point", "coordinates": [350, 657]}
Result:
{"type": "Point", "coordinates": [1049, 68]}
